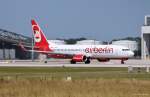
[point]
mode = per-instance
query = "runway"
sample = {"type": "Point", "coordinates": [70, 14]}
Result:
{"type": "Point", "coordinates": [65, 63]}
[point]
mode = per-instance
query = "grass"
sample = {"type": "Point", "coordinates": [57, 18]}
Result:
{"type": "Point", "coordinates": [55, 69]}
{"type": "Point", "coordinates": [86, 82]}
{"type": "Point", "coordinates": [75, 88]}
{"type": "Point", "coordinates": [75, 73]}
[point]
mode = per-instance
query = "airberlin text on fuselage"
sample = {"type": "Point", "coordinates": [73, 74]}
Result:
{"type": "Point", "coordinates": [99, 50]}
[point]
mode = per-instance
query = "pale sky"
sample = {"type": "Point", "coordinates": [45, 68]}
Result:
{"type": "Point", "coordinates": [93, 19]}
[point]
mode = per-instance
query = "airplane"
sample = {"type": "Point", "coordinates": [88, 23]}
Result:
{"type": "Point", "coordinates": [77, 53]}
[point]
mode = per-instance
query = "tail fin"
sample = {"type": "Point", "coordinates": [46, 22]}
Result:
{"type": "Point", "coordinates": [40, 40]}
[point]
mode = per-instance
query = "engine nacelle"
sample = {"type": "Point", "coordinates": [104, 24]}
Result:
{"type": "Point", "coordinates": [79, 58]}
{"type": "Point", "coordinates": [103, 59]}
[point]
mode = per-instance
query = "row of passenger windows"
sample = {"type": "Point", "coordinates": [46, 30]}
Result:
{"type": "Point", "coordinates": [69, 49]}
{"type": "Point", "coordinates": [125, 49]}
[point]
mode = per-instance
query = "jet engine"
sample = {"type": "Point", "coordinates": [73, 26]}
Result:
{"type": "Point", "coordinates": [79, 58]}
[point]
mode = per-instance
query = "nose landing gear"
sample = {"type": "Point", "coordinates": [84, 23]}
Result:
{"type": "Point", "coordinates": [122, 61]}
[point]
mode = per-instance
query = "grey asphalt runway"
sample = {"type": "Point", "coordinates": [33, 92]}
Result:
{"type": "Point", "coordinates": [65, 63]}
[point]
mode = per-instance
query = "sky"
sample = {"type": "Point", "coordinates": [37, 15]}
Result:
{"type": "Point", "coordinates": [102, 20]}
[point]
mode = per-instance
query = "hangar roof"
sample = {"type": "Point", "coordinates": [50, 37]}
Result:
{"type": "Point", "coordinates": [13, 37]}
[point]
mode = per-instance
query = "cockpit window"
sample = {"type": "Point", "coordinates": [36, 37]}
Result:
{"type": "Point", "coordinates": [125, 49]}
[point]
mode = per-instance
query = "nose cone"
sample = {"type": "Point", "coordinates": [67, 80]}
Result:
{"type": "Point", "coordinates": [131, 54]}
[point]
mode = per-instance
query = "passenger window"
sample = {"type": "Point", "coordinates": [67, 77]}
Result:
{"type": "Point", "coordinates": [125, 49]}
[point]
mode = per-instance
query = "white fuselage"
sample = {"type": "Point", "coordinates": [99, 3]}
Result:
{"type": "Point", "coordinates": [93, 51]}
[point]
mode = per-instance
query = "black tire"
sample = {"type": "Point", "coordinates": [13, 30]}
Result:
{"type": "Point", "coordinates": [122, 61]}
{"type": "Point", "coordinates": [73, 62]}
{"type": "Point", "coordinates": [45, 61]}
{"type": "Point", "coordinates": [87, 62]}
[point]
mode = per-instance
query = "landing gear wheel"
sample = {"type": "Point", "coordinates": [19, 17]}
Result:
{"type": "Point", "coordinates": [45, 61]}
{"type": "Point", "coordinates": [87, 61]}
{"type": "Point", "coordinates": [122, 61]}
{"type": "Point", "coordinates": [73, 62]}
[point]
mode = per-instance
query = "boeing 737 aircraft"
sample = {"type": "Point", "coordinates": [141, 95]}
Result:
{"type": "Point", "coordinates": [78, 53]}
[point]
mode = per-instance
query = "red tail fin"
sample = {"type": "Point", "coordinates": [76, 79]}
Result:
{"type": "Point", "coordinates": [39, 37]}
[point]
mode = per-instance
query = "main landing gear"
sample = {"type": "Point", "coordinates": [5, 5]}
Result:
{"type": "Point", "coordinates": [73, 62]}
{"type": "Point", "coordinates": [87, 61]}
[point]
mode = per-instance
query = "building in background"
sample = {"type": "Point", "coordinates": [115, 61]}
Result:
{"type": "Point", "coordinates": [9, 48]}
{"type": "Point", "coordinates": [145, 38]}
{"type": "Point", "coordinates": [132, 45]}
{"type": "Point", "coordinates": [89, 42]}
